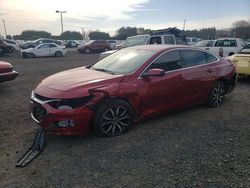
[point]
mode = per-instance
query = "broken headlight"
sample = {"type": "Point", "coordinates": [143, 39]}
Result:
{"type": "Point", "coordinates": [73, 103]}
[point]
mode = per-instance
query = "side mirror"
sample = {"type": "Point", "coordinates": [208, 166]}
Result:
{"type": "Point", "coordinates": [154, 72]}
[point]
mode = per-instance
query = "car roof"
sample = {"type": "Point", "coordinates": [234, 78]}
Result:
{"type": "Point", "coordinates": [159, 47]}
{"type": "Point", "coordinates": [48, 43]}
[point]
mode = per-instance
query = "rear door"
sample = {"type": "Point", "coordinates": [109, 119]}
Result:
{"type": "Point", "coordinates": [198, 74]}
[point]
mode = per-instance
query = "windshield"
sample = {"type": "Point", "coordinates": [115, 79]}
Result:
{"type": "Point", "coordinates": [134, 41]}
{"type": "Point", "coordinates": [123, 61]}
{"type": "Point", "coordinates": [205, 43]}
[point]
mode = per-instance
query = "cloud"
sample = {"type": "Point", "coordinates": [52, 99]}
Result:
{"type": "Point", "coordinates": [36, 12]}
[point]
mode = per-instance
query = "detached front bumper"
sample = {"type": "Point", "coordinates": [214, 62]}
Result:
{"type": "Point", "coordinates": [61, 121]}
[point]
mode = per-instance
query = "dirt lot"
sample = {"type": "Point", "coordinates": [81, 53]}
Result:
{"type": "Point", "coordinates": [197, 147]}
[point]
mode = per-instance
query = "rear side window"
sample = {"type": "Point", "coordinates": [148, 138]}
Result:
{"type": "Point", "coordinates": [168, 40]}
{"type": "Point", "coordinates": [226, 43]}
{"type": "Point", "coordinates": [210, 58]}
{"type": "Point", "coordinates": [168, 61]}
{"type": "Point", "coordinates": [192, 58]}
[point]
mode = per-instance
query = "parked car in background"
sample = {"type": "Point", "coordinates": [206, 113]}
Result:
{"type": "Point", "coordinates": [13, 44]}
{"type": "Point", "coordinates": [6, 48]}
{"type": "Point", "coordinates": [205, 43]}
{"type": "Point", "coordinates": [130, 85]}
{"type": "Point", "coordinates": [72, 44]}
{"type": "Point", "coordinates": [241, 61]}
{"type": "Point", "coordinates": [33, 44]}
{"type": "Point", "coordinates": [113, 43]}
{"type": "Point", "coordinates": [94, 46]}
{"type": "Point", "coordinates": [6, 72]}
{"type": "Point", "coordinates": [171, 36]}
{"type": "Point", "coordinates": [43, 50]}
{"type": "Point", "coordinates": [226, 46]}
{"type": "Point", "coordinates": [193, 40]}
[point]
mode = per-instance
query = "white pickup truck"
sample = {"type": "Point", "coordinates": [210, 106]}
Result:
{"type": "Point", "coordinates": [224, 47]}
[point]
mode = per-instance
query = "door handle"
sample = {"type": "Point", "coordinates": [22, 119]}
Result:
{"type": "Point", "coordinates": [207, 48]}
{"type": "Point", "coordinates": [210, 71]}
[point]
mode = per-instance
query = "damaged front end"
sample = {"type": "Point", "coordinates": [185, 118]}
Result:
{"type": "Point", "coordinates": [63, 116]}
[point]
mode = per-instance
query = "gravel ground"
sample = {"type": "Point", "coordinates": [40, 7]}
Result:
{"type": "Point", "coordinates": [196, 147]}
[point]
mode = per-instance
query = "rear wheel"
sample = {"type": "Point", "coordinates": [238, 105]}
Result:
{"type": "Point", "coordinates": [30, 55]}
{"type": "Point", "coordinates": [113, 118]}
{"type": "Point", "coordinates": [58, 54]}
{"type": "Point", "coordinates": [87, 50]}
{"type": "Point", "coordinates": [216, 94]}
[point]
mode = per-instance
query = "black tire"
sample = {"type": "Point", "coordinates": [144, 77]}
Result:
{"type": "Point", "coordinates": [30, 55]}
{"type": "Point", "coordinates": [58, 54]}
{"type": "Point", "coordinates": [113, 118]}
{"type": "Point", "coordinates": [106, 49]}
{"type": "Point", "coordinates": [216, 94]}
{"type": "Point", "coordinates": [87, 50]}
{"type": "Point", "coordinates": [231, 53]}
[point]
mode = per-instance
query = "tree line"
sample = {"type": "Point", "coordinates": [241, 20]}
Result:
{"type": "Point", "coordinates": [239, 29]}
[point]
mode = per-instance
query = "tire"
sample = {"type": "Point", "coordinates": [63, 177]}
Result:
{"type": "Point", "coordinates": [216, 94]}
{"type": "Point", "coordinates": [58, 54]}
{"type": "Point", "coordinates": [87, 50]}
{"type": "Point", "coordinates": [230, 54]}
{"type": "Point", "coordinates": [113, 118]}
{"type": "Point", "coordinates": [30, 55]}
{"type": "Point", "coordinates": [106, 49]}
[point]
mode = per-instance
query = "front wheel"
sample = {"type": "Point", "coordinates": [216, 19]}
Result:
{"type": "Point", "coordinates": [113, 118]}
{"type": "Point", "coordinates": [216, 94]}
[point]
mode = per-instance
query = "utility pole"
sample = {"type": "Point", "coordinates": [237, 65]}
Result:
{"type": "Point", "coordinates": [61, 12]}
{"type": "Point", "coordinates": [4, 28]}
{"type": "Point", "coordinates": [184, 24]}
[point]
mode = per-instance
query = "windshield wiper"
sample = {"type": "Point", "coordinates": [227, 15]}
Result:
{"type": "Point", "coordinates": [104, 70]}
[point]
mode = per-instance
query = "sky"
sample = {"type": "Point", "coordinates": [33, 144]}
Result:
{"type": "Point", "coordinates": [110, 15]}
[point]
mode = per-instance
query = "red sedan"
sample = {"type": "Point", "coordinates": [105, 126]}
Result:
{"type": "Point", "coordinates": [130, 85]}
{"type": "Point", "coordinates": [6, 72]}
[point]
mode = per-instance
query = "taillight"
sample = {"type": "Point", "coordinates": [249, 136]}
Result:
{"type": "Point", "coordinates": [221, 52]}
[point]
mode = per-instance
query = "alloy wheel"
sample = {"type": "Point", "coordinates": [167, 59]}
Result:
{"type": "Point", "coordinates": [218, 95]}
{"type": "Point", "coordinates": [115, 120]}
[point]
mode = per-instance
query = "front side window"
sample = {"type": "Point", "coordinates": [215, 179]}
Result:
{"type": "Point", "coordinates": [226, 43]}
{"type": "Point", "coordinates": [155, 40]}
{"type": "Point", "coordinates": [168, 39]}
{"type": "Point", "coordinates": [180, 40]}
{"type": "Point", "coordinates": [168, 61]}
{"type": "Point", "coordinates": [192, 58]}
{"type": "Point", "coordinates": [52, 46]}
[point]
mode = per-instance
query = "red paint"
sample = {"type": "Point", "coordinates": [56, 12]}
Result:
{"type": "Point", "coordinates": [6, 72]}
{"type": "Point", "coordinates": [147, 95]}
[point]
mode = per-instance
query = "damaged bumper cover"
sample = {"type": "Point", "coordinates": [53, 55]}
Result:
{"type": "Point", "coordinates": [62, 116]}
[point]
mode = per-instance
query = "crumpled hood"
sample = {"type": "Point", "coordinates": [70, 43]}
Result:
{"type": "Point", "coordinates": [75, 83]}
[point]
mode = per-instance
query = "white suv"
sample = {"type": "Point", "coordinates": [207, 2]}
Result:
{"type": "Point", "coordinates": [226, 46]}
{"type": "Point", "coordinates": [171, 36]}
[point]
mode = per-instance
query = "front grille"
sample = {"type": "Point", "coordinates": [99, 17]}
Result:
{"type": "Point", "coordinates": [38, 111]}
